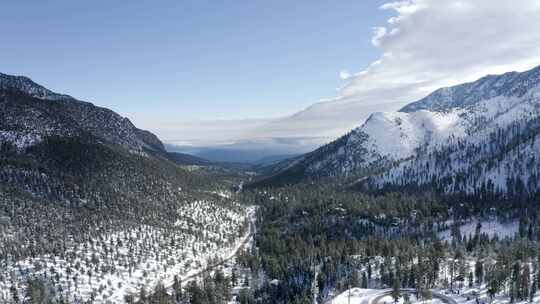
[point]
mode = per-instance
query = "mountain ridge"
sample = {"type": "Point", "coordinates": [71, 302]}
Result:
{"type": "Point", "coordinates": [470, 112]}
{"type": "Point", "coordinates": [508, 84]}
{"type": "Point", "coordinates": [27, 85]}
{"type": "Point", "coordinates": [86, 192]}
{"type": "Point", "coordinates": [97, 144]}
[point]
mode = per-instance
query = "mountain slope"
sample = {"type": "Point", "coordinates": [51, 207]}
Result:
{"type": "Point", "coordinates": [496, 152]}
{"type": "Point", "coordinates": [92, 207]}
{"type": "Point", "coordinates": [31, 112]}
{"type": "Point", "coordinates": [66, 151]}
{"type": "Point", "coordinates": [505, 162]}
{"type": "Point", "coordinates": [346, 156]}
{"type": "Point", "coordinates": [400, 149]}
{"type": "Point", "coordinates": [512, 84]}
{"type": "Point", "coordinates": [30, 88]}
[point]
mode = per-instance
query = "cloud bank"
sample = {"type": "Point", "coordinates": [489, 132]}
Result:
{"type": "Point", "coordinates": [425, 45]}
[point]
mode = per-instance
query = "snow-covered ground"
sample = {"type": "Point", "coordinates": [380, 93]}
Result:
{"type": "Point", "coordinates": [490, 227]}
{"type": "Point", "coordinates": [122, 262]}
{"type": "Point", "coordinates": [398, 134]}
{"type": "Point", "coordinates": [376, 296]}
{"type": "Point", "coordinates": [412, 299]}
{"type": "Point", "coordinates": [466, 296]}
{"type": "Point", "coordinates": [356, 296]}
{"type": "Point", "coordinates": [462, 294]}
{"type": "Point", "coordinates": [20, 140]}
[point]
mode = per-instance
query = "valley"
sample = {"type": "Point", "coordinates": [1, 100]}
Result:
{"type": "Point", "coordinates": [435, 203]}
{"type": "Point", "coordinates": [270, 152]}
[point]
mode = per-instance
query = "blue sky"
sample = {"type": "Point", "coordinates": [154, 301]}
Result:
{"type": "Point", "coordinates": [207, 73]}
{"type": "Point", "coordinates": [190, 60]}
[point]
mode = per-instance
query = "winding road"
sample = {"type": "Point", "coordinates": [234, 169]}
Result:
{"type": "Point", "coordinates": [245, 240]}
{"type": "Point", "coordinates": [435, 295]}
{"type": "Point", "coordinates": [250, 215]}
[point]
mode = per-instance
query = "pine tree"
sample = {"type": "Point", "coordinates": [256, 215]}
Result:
{"type": "Point", "coordinates": [364, 280]}
{"type": "Point", "coordinates": [516, 286]}
{"type": "Point", "coordinates": [196, 294]}
{"type": "Point", "coordinates": [479, 272]}
{"type": "Point", "coordinates": [142, 294]}
{"type": "Point", "coordinates": [525, 282]}
{"type": "Point", "coordinates": [36, 291]}
{"type": "Point", "coordinates": [396, 291]}
{"type": "Point", "coordinates": [406, 298]}
{"type": "Point", "coordinates": [177, 287]}
{"type": "Point", "coordinates": [456, 234]}
{"type": "Point", "coordinates": [355, 279]}
{"type": "Point", "coordinates": [532, 292]}
{"type": "Point", "coordinates": [233, 278]}
{"type": "Point", "coordinates": [14, 294]}
{"type": "Point", "coordinates": [243, 297]}
{"type": "Point", "coordinates": [494, 284]}
{"type": "Point", "coordinates": [522, 230]}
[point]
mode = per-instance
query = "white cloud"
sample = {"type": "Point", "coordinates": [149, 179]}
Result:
{"type": "Point", "coordinates": [204, 133]}
{"type": "Point", "coordinates": [430, 44]}
{"type": "Point", "coordinates": [344, 74]}
{"type": "Point", "coordinates": [426, 44]}
{"type": "Point", "coordinates": [378, 34]}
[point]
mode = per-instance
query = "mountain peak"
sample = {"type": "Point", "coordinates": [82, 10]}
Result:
{"type": "Point", "coordinates": [466, 94]}
{"type": "Point", "coordinates": [31, 112]}
{"type": "Point", "coordinates": [391, 145]}
{"type": "Point", "coordinates": [29, 87]}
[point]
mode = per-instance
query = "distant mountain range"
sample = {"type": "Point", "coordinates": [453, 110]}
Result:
{"type": "Point", "coordinates": [478, 137]}
{"type": "Point", "coordinates": [250, 152]}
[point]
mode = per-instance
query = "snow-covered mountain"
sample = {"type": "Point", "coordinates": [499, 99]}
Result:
{"type": "Point", "coordinates": [29, 87]}
{"type": "Point", "coordinates": [94, 208]}
{"type": "Point", "coordinates": [30, 112]}
{"type": "Point", "coordinates": [464, 138]}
